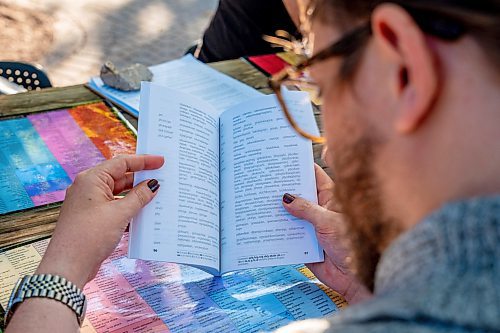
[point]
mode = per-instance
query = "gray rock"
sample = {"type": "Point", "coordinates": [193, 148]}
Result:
{"type": "Point", "coordinates": [128, 78]}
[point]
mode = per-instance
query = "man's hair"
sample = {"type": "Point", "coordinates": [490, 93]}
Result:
{"type": "Point", "coordinates": [445, 19]}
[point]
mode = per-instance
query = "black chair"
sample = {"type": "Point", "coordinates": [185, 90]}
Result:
{"type": "Point", "coordinates": [31, 77]}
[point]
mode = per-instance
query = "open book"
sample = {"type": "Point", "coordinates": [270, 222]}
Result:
{"type": "Point", "coordinates": [219, 207]}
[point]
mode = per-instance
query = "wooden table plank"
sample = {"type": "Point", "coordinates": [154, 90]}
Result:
{"type": "Point", "coordinates": [34, 223]}
{"type": "Point", "coordinates": [44, 100]}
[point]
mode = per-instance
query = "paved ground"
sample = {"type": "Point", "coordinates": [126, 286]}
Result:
{"type": "Point", "coordinates": [72, 38]}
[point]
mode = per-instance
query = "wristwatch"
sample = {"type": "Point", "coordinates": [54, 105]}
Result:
{"type": "Point", "coordinates": [48, 286]}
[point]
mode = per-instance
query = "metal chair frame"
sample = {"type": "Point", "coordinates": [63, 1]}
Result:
{"type": "Point", "coordinates": [29, 76]}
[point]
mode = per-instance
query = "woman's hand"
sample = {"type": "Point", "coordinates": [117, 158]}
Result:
{"type": "Point", "coordinates": [92, 221]}
{"type": "Point", "coordinates": [330, 230]}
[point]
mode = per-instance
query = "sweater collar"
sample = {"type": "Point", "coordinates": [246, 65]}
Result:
{"type": "Point", "coordinates": [460, 234]}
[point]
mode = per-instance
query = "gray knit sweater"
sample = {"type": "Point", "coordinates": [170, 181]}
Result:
{"type": "Point", "coordinates": [441, 276]}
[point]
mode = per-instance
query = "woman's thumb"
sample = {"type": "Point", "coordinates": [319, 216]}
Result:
{"type": "Point", "coordinates": [318, 216]}
{"type": "Point", "coordinates": [139, 196]}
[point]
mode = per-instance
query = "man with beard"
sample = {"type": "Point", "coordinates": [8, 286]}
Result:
{"type": "Point", "coordinates": [410, 93]}
{"type": "Point", "coordinates": [410, 112]}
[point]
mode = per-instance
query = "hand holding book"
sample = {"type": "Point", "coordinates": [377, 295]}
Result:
{"type": "Point", "coordinates": [330, 228]}
{"type": "Point", "coordinates": [80, 243]}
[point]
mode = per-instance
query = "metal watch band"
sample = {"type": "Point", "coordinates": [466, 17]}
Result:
{"type": "Point", "coordinates": [48, 286]}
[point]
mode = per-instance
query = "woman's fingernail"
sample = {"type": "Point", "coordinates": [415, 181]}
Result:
{"type": "Point", "coordinates": [288, 198]}
{"type": "Point", "coordinates": [153, 185]}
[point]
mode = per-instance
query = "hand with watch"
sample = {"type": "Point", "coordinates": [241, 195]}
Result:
{"type": "Point", "coordinates": [90, 225]}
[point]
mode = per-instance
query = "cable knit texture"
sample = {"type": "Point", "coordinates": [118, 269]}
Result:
{"type": "Point", "coordinates": [443, 275]}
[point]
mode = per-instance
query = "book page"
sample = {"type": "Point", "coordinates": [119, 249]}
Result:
{"type": "Point", "coordinates": [182, 223]}
{"type": "Point", "coordinates": [261, 159]}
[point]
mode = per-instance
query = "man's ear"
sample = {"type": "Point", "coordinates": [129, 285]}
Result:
{"type": "Point", "coordinates": [416, 74]}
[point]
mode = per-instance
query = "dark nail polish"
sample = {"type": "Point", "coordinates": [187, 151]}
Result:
{"type": "Point", "coordinates": [288, 198]}
{"type": "Point", "coordinates": [153, 185]}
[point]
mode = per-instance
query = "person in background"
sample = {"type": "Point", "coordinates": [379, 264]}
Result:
{"type": "Point", "coordinates": [238, 27]}
{"type": "Point", "coordinates": [410, 112]}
